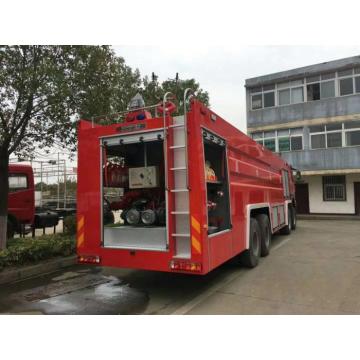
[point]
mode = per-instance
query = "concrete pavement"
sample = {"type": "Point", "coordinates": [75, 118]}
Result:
{"type": "Point", "coordinates": [315, 270]}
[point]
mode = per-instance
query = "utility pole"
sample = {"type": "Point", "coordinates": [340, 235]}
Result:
{"type": "Point", "coordinates": [64, 184]}
{"type": "Point", "coordinates": [41, 183]}
{"type": "Point", "coordinates": [58, 187]}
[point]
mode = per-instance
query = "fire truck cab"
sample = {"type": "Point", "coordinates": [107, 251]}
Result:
{"type": "Point", "coordinates": [187, 192]}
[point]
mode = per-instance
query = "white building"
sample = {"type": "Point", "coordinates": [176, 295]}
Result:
{"type": "Point", "coordinates": [311, 117]}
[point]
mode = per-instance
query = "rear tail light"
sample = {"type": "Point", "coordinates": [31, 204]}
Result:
{"type": "Point", "coordinates": [185, 266]}
{"type": "Point", "coordinates": [89, 259]}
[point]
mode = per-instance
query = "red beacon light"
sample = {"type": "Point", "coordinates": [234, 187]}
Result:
{"type": "Point", "coordinates": [136, 109]}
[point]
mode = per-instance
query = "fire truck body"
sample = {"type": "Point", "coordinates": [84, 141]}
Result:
{"type": "Point", "coordinates": [195, 192]}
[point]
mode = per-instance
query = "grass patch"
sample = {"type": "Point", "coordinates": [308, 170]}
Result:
{"type": "Point", "coordinates": [24, 251]}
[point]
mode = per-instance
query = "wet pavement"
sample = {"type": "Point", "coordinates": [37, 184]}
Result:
{"type": "Point", "coordinates": [315, 270]}
{"type": "Point", "coordinates": [90, 290]}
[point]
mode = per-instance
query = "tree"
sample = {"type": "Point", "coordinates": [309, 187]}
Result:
{"type": "Point", "coordinates": [42, 88]}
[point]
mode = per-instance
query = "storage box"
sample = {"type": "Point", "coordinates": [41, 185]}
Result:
{"type": "Point", "coordinates": [143, 177]}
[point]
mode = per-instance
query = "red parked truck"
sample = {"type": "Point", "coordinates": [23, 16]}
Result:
{"type": "Point", "coordinates": [21, 199]}
{"type": "Point", "coordinates": [22, 214]}
{"type": "Point", "coordinates": [187, 192]}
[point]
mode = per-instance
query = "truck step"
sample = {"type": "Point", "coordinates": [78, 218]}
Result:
{"type": "Point", "coordinates": [177, 147]}
{"type": "Point", "coordinates": [176, 126]}
{"type": "Point", "coordinates": [180, 212]}
{"type": "Point", "coordinates": [179, 190]}
{"type": "Point", "coordinates": [181, 235]}
{"type": "Point", "coordinates": [178, 168]}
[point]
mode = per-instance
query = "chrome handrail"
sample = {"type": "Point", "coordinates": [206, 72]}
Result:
{"type": "Point", "coordinates": [165, 98]}
{"type": "Point", "coordinates": [188, 93]}
{"type": "Point", "coordinates": [166, 164]}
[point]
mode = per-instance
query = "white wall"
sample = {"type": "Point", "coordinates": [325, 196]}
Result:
{"type": "Point", "coordinates": [316, 203]}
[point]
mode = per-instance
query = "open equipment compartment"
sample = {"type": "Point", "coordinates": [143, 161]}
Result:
{"type": "Point", "coordinates": [133, 189]}
{"type": "Point", "coordinates": [217, 185]}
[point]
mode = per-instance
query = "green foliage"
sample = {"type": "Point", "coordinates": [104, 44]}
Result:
{"type": "Point", "coordinates": [23, 251]}
{"type": "Point", "coordinates": [70, 224]}
{"type": "Point", "coordinates": [43, 88]}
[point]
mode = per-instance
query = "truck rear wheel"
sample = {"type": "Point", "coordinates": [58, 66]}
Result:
{"type": "Point", "coordinates": [250, 257]}
{"type": "Point", "coordinates": [286, 230]}
{"type": "Point", "coordinates": [265, 230]}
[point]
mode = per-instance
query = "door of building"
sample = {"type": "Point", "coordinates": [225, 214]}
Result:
{"type": "Point", "coordinates": [302, 198]}
{"type": "Point", "coordinates": [357, 197]}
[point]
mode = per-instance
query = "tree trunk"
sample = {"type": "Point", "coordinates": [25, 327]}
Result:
{"type": "Point", "coordinates": [4, 192]}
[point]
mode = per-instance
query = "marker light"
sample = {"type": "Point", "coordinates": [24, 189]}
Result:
{"type": "Point", "coordinates": [89, 259]}
{"type": "Point", "coordinates": [182, 265]}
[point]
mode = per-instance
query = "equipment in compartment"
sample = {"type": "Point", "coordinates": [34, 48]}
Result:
{"type": "Point", "coordinates": [209, 172]}
{"type": "Point", "coordinates": [142, 207]}
{"type": "Point", "coordinates": [143, 177]}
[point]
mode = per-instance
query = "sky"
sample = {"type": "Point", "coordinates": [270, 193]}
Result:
{"type": "Point", "coordinates": [222, 70]}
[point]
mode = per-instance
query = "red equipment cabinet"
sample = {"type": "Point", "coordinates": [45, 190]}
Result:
{"type": "Point", "coordinates": [235, 213]}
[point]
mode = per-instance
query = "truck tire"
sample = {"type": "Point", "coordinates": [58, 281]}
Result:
{"type": "Point", "coordinates": [286, 230]}
{"type": "Point", "coordinates": [250, 257]}
{"type": "Point", "coordinates": [293, 219]}
{"type": "Point", "coordinates": [10, 232]}
{"type": "Point", "coordinates": [265, 230]}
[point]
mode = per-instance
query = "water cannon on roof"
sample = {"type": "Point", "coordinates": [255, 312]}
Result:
{"type": "Point", "coordinates": [137, 110]}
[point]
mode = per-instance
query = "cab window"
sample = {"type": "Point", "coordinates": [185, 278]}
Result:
{"type": "Point", "coordinates": [17, 182]}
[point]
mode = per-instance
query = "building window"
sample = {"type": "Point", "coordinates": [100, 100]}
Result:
{"type": "Point", "coordinates": [357, 84]}
{"type": "Point", "coordinates": [284, 144]}
{"type": "Point", "coordinates": [263, 97]}
{"type": "Point", "coordinates": [280, 140]}
{"type": "Point", "coordinates": [269, 140]}
{"type": "Point", "coordinates": [313, 88]}
{"type": "Point", "coordinates": [296, 139]}
{"type": "Point", "coordinates": [256, 101]}
{"type": "Point", "coordinates": [327, 89]}
{"type": "Point", "coordinates": [284, 97]}
{"type": "Point", "coordinates": [296, 143]}
{"type": "Point", "coordinates": [334, 140]}
{"type": "Point", "coordinates": [352, 133]}
{"type": "Point", "coordinates": [326, 136]}
{"type": "Point", "coordinates": [291, 92]}
{"type": "Point", "coordinates": [333, 135]}
{"type": "Point", "coordinates": [346, 86]}
{"type": "Point", "coordinates": [317, 137]}
{"type": "Point", "coordinates": [334, 188]}
{"type": "Point", "coordinates": [269, 99]}
{"type": "Point", "coordinates": [297, 95]}
{"type": "Point", "coordinates": [318, 141]}
{"type": "Point", "coordinates": [313, 92]}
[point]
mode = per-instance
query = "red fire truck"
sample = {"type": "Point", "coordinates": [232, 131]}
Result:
{"type": "Point", "coordinates": [187, 192]}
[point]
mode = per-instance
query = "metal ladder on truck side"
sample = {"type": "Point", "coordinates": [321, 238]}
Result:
{"type": "Point", "coordinates": [180, 211]}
